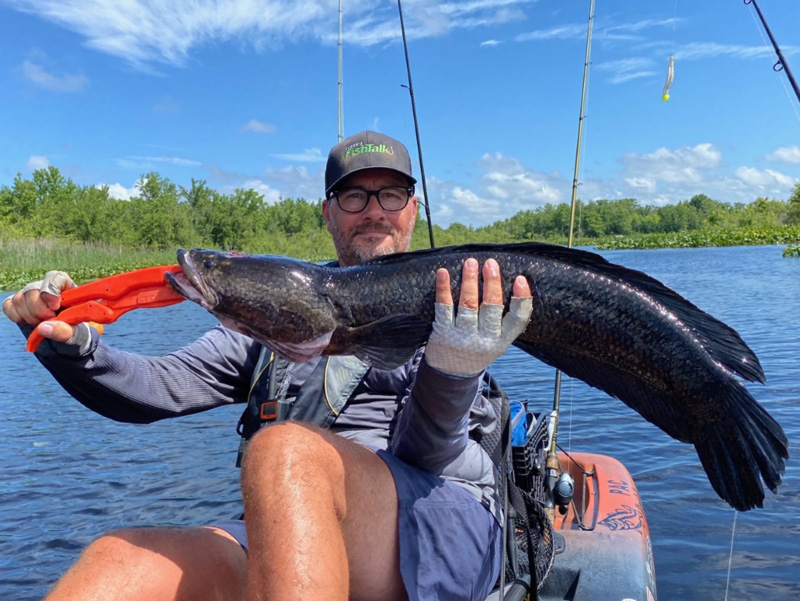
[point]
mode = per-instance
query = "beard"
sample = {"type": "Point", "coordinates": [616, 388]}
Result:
{"type": "Point", "coordinates": [354, 252]}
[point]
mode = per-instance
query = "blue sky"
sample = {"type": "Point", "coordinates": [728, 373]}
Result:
{"type": "Point", "coordinates": [243, 94]}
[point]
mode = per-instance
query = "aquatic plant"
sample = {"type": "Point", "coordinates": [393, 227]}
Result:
{"type": "Point", "coordinates": [793, 250]}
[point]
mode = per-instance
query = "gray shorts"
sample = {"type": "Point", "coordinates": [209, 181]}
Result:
{"type": "Point", "coordinates": [450, 545]}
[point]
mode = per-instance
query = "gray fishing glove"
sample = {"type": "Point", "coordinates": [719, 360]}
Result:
{"type": "Point", "coordinates": [467, 344]}
{"type": "Point", "coordinates": [55, 282]}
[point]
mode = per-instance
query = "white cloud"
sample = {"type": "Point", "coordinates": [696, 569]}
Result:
{"type": "Point", "coordinates": [35, 162]}
{"type": "Point", "coordinates": [55, 83]}
{"type": "Point", "coordinates": [766, 179]}
{"type": "Point", "coordinates": [120, 192]}
{"type": "Point", "coordinates": [259, 127]}
{"type": "Point", "coordinates": [705, 50]}
{"type": "Point", "coordinates": [519, 187]}
{"type": "Point", "coordinates": [149, 162]}
{"type": "Point", "coordinates": [683, 165]}
{"type": "Point", "coordinates": [561, 32]}
{"type": "Point", "coordinates": [640, 25]}
{"type": "Point", "coordinates": [505, 187]}
{"type": "Point", "coordinates": [602, 30]}
{"type": "Point", "coordinates": [471, 202]}
{"type": "Point", "coordinates": [442, 214]}
{"type": "Point", "coordinates": [628, 69]}
{"type": "Point", "coordinates": [270, 194]}
{"type": "Point", "coordinates": [144, 32]}
{"type": "Point", "coordinates": [645, 184]}
{"type": "Point", "coordinates": [489, 43]}
{"type": "Point", "coordinates": [309, 155]}
{"type": "Point", "coordinates": [785, 154]}
{"type": "Point", "coordinates": [296, 181]}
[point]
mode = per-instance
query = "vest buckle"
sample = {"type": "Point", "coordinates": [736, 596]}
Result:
{"type": "Point", "coordinates": [269, 410]}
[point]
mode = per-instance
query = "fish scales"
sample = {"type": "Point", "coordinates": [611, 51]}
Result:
{"type": "Point", "coordinates": [615, 328]}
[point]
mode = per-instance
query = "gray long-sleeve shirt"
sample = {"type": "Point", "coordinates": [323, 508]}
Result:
{"type": "Point", "coordinates": [422, 416]}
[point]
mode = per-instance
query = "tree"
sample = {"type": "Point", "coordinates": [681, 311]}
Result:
{"type": "Point", "coordinates": [160, 219]}
{"type": "Point", "coordinates": [200, 199]}
{"type": "Point", "coordinates": [793, 216]}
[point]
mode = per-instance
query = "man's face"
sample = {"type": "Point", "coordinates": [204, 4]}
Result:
{"type": "Point", "coordinates": [373, 232]}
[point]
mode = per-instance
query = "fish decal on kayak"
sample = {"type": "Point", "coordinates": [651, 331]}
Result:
{"type": "Point", "coordinates": [616, 329]}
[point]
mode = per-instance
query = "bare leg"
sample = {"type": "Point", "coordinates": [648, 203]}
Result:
{"type": "Point", "coordinates": [157, 564]}
{"type": "Point", "coordinates": [321, 515]}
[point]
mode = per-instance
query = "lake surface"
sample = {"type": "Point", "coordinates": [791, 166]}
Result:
{"type": "Point", "coordinates": [68, 475]}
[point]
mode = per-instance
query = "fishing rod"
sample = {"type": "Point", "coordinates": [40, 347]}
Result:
{"type": "Point", "coordinates": [552, 479]}
{"type": "Point", "coordinates": [781, 64]}
{"type": "Point", "coordinates": [340, 85]}
{"type": "Point", "coordinates": [410, 88]}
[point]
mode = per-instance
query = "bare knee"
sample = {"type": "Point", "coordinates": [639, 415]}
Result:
{"type": "Point", "coordinates": [157, 563]}
{"type": "Point", "coordinates": [285, 456]}
{"type": "Point", "coordinates": [124, 547]}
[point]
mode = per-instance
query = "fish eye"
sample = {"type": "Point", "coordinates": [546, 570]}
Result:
{"type": "Point", "coordinates": [209, 263]}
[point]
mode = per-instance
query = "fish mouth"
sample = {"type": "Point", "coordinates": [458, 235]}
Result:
{"type": "Point", "coordinates": [190, 283]}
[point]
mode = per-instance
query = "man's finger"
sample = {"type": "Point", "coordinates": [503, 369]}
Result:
{"type": "Point", "coordinates": [469, 285]}
{"type": "Point", "coordinates": [9, 310]}
{"type": "Point", "coordinates": [29, 309]}
{"type": "Point", "coordinates": [521, 287]}
{"type": "Point", "coordinates": [53, 284]}
{"type": "Point", "coordinates": [492, 284]}
{"type": "Point", "coordinates": [36, 308]}
{"type": "Point", "coordinates": [443, 294]}
{"type": "Point", "coordinates": [56, 330]}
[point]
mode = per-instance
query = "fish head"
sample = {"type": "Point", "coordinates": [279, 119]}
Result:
{"type": "Point", "coordinates": [200, 278]}
{"type": "Point", "coordinates": [276, 300]}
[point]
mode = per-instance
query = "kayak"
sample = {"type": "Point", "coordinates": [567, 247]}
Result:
{"type": "Point", "coordinates": [596, 538]}
{"type": "Point", "coordinates": [602, 544]}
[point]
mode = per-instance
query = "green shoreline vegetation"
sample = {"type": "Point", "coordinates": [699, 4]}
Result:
{"type": "Point", "coordinates": [49, 222]}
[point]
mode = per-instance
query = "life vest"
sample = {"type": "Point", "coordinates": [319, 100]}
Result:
{"type": "Point", "coordinates": [333, 380]}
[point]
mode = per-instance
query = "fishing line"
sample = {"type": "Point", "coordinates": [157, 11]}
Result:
{"type": "Point", "coordinates": [769, 52]}
{"type": "Point", "coordinates": [730, 555]}
{"type": "Point", "coordinates": [674, 20]}
{"type": "Point", "coordinates": [571, 405]}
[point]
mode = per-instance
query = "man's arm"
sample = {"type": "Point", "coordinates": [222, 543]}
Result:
{"type": "Point", "coordinates": [212, 371]}
{"type": "Point", "coordinates": [433, 428]}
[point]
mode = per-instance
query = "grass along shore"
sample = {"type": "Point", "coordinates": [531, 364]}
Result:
{"type": "Point", "coordinates": [26, 260]}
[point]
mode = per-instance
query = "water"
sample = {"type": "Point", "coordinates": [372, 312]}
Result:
{"type": "Point", "coordinates": [69, 475]}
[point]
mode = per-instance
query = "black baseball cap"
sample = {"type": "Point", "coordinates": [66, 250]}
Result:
{"type": "Point", "coordinates": [366, 150]}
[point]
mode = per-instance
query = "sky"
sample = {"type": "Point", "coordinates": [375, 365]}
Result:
{"type": "Point", "coordinates": [243, 94]}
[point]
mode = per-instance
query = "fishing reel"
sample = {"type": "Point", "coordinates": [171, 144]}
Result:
{"type": "Point", "coordinates": [563, 492]}
{"type": "Point", "coordinates": [560, 490]}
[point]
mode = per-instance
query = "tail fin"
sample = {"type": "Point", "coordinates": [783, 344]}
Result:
{"type": "Point", "coordinates": [747, 444]}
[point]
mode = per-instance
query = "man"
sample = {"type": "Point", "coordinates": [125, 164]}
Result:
{"type": "Point", "coordinates": [391, 499]}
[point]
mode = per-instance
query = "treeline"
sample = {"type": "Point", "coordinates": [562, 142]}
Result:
{"type": "Point", "coordinates": [625, 217]}
{"type": "Point", "coordinates": [164, 216]}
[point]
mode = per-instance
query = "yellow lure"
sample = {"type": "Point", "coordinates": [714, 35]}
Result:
{"type": "Point", "coordinates": [670, 77]}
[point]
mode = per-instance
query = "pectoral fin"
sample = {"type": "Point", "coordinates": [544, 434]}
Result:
{"type": "Point", "coordinates": [386, 343]}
